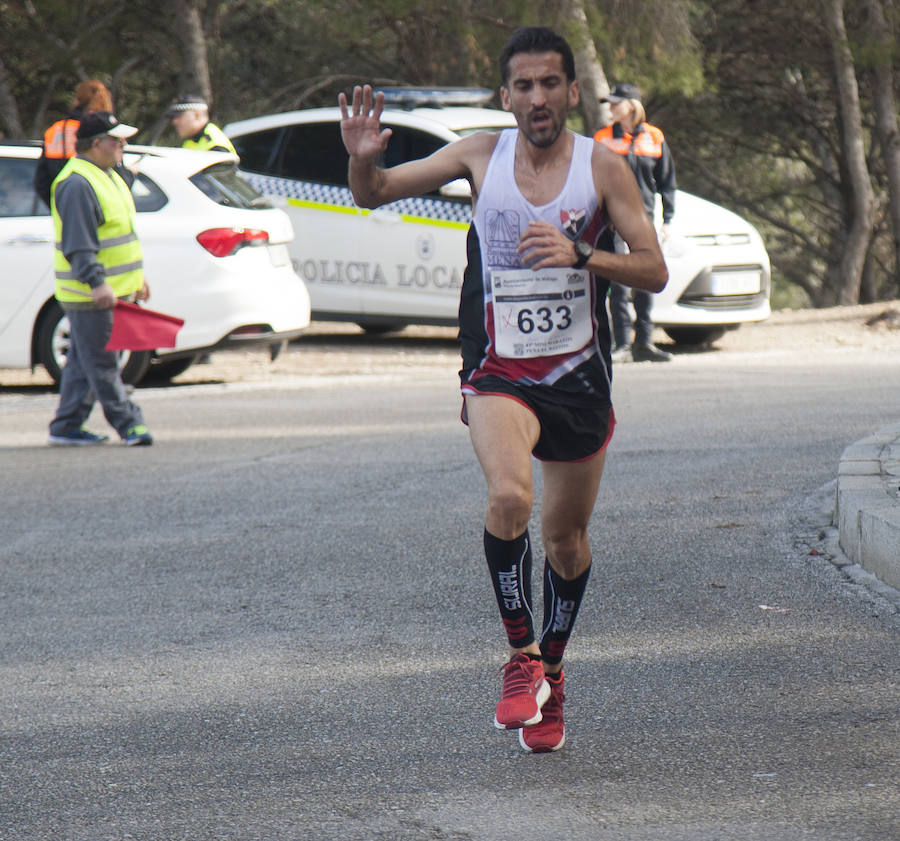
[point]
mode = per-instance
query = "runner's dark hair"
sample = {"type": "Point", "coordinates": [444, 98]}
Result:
{"type": "Point", "coordinates": [536, 39]}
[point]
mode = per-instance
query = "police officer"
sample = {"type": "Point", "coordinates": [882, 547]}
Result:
{"type": "Point", "coordinates": [190, 117]}
{"type": "Point", "coordinates": [97, 260]}
{"type": "Point", "coordinates": [644, 147]}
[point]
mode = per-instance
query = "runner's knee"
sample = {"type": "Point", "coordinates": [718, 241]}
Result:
{"type": "Point", "coordinates": [569, 551]}
{"type": "Point", "coordinates": [509, 506]}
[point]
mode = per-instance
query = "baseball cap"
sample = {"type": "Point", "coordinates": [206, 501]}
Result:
{"type": "Point", "coordinates": [95, 123]}
{"type": "Point", "coordinates": [624, 91]}
{"type": "Point", "coordinates": [186, 102]}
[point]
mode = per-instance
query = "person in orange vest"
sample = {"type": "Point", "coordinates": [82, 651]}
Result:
{"type": "Point", "coordinates": [648, 155]}
{"type": "Point", "coordinates": [59, 139]}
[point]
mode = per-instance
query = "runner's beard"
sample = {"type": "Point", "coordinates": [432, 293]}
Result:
{"type": "Point", "coordinates": [545, 137]}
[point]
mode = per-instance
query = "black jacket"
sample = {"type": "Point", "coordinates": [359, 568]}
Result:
{"type": "Point", "coordinates": [651, 161]}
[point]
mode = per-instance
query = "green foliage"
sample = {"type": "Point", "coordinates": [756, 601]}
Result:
{"type": "Point", "coordinates": [744, 91]}
{"type": "Point", "coordinates": [649, 43]}
{"type": "Point", "coordinates": [765, 140]}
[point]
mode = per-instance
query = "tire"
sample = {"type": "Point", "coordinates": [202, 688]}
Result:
{"type": "Point", "coordinates": [53, 345]}
{"type": "Point", "coordinates": [136, 364]}
{"type": "Point", "coordinates": [162, 372]}
{"type": "Point", "coordinates": [379, 328]}
{"type": "Point", "coordinates": [694, 335]}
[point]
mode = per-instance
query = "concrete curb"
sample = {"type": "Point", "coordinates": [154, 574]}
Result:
{"type": "Point", "coordinates": [867, 505]}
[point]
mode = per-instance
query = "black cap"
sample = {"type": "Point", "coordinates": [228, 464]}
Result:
{"type": "Point", "coordinates": [186, 102]}
{"type": "Point", "coordinates": [95, 123]}
{"type": "Point", "coordinates": [624, 91]}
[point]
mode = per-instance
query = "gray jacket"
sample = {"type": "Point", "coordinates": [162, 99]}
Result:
{"type": "Point", "coordinates": [81, 216]}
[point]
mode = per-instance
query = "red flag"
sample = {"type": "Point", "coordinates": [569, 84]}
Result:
{"type": "Point", "coordinates": [137, 328]}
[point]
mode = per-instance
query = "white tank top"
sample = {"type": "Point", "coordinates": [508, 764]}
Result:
{"type": "Point", "coordinates": [536, 326]}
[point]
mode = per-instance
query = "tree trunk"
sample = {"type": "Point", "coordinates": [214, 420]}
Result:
{"type": "Point", "coordinates": [592, 81]}
{"type": "Point", "coordinates": [862, 206]}
{"type": "Point", "coordinates": [9, 109]}
{"type": "Point", "coordinates": [194, 76]}
{"type": "Point", "coordinates": [886, 116]}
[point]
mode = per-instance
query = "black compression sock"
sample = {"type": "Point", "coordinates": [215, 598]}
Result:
{"type": "Point", "coordinates": [509, 563]}
{"type": "Point", "coordinates": [561, 602]}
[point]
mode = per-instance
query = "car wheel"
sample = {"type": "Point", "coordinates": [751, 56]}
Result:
{"type": "Point", "coordinates": [163, 371]}
{"type": "Point", "coordinates": [53, 346]}
{"type": "Point", "coordinates": [694, 335]}
{"type": "Point", "coordinates": [378, 328]}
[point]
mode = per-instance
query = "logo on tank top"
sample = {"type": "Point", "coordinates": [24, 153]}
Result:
{"type": "Point", "coordinates": [502, 238]}
{"type": "Point", "coordinates": [573, 222]}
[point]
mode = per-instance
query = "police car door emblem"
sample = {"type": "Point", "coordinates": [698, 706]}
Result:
{"type": "Point", "coordinates": [425, 246]}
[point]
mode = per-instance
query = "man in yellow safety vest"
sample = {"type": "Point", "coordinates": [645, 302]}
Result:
{"type": "Point", "coordinates": [97, 260]}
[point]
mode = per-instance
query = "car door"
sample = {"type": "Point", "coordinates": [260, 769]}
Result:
{"type": "Point", "coordinates": [26, 255]}
{"type": "Point", "coordinates": [303, 168]}
{"type": "Point", "coordinates": [418, 244]}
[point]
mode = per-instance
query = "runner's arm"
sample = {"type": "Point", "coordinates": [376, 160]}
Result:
{"type": "Point", "coordinates": [643, 267]}
{"type": "Point", "coordinates": [365, 140]}
{"type": "Point", "coordinates": [544, 245]}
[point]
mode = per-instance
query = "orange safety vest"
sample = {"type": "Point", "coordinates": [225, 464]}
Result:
{"type": "Point", "coordinates": [59, 139]}
{"type": "Point", "coordinates": [647, 143]}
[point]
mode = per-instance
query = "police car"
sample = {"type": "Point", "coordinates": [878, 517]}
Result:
{"type": "Point", "coordinates": [215, 255]}
{"type": "Point", "coordinates": [403, 263]}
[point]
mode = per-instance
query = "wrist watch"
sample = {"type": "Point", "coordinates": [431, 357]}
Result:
{"type": "Point", "coordinates": [583, 253]}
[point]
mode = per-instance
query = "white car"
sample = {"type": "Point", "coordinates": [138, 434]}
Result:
{"type": "Point", "coordinates": [403, 263]}
{"type": "Point", "coordinates": [215, 254]}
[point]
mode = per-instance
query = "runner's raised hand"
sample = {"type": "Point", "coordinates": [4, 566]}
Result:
{"type": "Point", "coordinates": [361, 123]}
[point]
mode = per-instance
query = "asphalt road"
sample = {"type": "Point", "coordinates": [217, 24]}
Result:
{"type": "Point", "coordinates": [276, 622]}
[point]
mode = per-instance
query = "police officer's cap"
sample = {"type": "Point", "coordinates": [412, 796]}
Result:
{"type": "Point", "coordinates": [624, 91]}
{"type": "Point", "coordinates": [186, 102]}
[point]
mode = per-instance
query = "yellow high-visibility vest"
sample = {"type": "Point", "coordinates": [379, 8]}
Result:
{"type": "Point", "coordinates": [211, 136]}
{"type": "Point", "coordinates": [120, 251]}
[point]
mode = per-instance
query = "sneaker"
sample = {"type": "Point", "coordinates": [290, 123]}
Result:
{"type": "Point", "coordinates": [621, 353]}
{"type": "Point", "coordinates": [549, 733]}
{"type": "Point", "coordinates": [79, 438]}
{"type": "Point", "coordinates": [138, 436]}
{"type": "Point", "coordinates": [649, 353]}
{"type": "Point", "coordinates": [524, 693]}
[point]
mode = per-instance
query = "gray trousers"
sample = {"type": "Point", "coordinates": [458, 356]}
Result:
{"type": "Point", "coordinates": [91, 373]}
{"type": "Point", "coordinates": [621, 318]}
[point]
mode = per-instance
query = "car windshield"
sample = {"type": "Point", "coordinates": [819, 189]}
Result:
{"type": "Point", "coordinates": [223, 184]}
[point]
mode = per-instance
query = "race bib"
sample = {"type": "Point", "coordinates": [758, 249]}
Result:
{"type": "Point", "coordinates": [540, 313]}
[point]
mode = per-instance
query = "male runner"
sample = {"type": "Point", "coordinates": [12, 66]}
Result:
{"type": "Point", "coordinates": [535, 338]}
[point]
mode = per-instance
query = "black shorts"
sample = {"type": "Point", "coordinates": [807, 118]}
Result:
{"type": "Point", "coordinates": [568, 433]}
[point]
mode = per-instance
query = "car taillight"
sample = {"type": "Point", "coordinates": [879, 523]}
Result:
{"type": "Point", "coordinates": [223, 242]}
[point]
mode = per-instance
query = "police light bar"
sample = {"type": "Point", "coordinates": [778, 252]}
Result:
{"type": "Point", "coordinates": [439, 97]}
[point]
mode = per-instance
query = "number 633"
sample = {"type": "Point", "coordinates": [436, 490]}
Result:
{"type": "Point", "coordinates": [544, 319]}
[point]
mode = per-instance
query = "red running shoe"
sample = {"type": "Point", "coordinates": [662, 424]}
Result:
{"type": "Point", "coordinates": [524, 693]}
{"type": "Point", "coordinates": [550, 733]}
